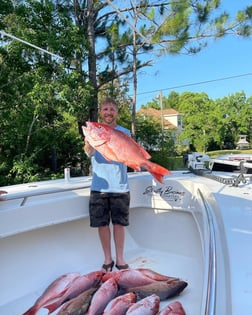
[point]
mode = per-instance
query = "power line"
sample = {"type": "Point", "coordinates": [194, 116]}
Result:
{"type": "Point", "coordinates": [29, 44]}
{"type": "Point", "coordinates": [197, 83]}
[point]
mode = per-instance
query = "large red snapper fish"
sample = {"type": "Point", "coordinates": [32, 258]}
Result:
{"type": "Point", "coordinates": [65, 288]}
{"type": "Point", "coordinates": [155, 275]}
{"type": "Point", "coordinates": [147, 306]}
{"type": "Point", "coordinates": [163, 289]}
{"type": "Point", "coordinates": [120, 304]}
{"type": "Point", "coordinates": [106, 292]}
{"type": "Point", "coordinates": [78, 305]}
{"type": "Point", "coordinates": [84, 282]}
{"type": "Point", "coordinates": [54, 291]}
{"type": "Point", "coordinates": [174, 308]}
{"type": "Point", "coordinates": [128, 278]}
{"type": "Point", "coordinates": [116, 145]}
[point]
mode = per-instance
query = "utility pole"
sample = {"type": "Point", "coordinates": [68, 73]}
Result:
{"type": "Point", "coordinates": [162, 118]}
{"type": "Point", "coordinates": [90, 20]}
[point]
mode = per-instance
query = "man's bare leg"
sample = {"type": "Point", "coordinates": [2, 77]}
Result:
{"type": "Point", "coordinates": [119, 238]}
{"type": "Point", "coordinates": [105, 238]}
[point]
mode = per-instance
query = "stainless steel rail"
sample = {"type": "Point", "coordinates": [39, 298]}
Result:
{"type": "Point", "coordinates": [34, 190]}
{"type": "Point", "coordinates": [210, 303]}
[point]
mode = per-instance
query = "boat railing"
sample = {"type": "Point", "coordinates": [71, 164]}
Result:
{"type": "Point", "coordinates": [234, 181]}
{"type": "Point", "coordinates": [34, 190]}
{"type": "Point", "coordinates": [210, 299]}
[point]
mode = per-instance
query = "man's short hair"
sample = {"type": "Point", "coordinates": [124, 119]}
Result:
{"type": "Point", "coordinates": [108, 100]}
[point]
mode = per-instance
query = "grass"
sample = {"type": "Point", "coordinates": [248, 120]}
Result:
{"type": "Point", "coordinates": [214, 154]}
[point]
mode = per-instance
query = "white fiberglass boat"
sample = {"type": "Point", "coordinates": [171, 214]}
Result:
{"type": "Point", "coordinates": [196, 228]}
{"type": "Point", "coordinates": [232, 163]}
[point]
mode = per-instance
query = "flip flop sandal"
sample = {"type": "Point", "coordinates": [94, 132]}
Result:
{"type": "Point", "coordinates": [121, 267]}
{"type": "Point", "coordinates": [108, 267]}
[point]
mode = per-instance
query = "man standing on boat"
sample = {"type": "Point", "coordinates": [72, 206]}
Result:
{"type": "Point", "coordinates": [110, 196]}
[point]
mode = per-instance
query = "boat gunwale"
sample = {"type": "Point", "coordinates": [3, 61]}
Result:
{"type": "Point", "coordinates": [40, 191]}
{"type": "Point", "coordinates": [209, 297]}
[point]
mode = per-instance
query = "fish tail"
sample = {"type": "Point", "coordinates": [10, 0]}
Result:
{"type": "Point", "coordinates": [156, 170]}
{"type": "Point", "coordinates": [31, 311]}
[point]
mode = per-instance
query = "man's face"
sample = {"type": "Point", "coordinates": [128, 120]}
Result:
{"type": "Point", "coordinates": [108, 113]}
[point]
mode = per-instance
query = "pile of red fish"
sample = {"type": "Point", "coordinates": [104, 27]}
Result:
{"type": "Point", "coordinates": [125, 292]}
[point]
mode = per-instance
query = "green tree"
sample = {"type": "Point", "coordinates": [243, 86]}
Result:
{"type": "Point", "coordinates": [151, 136]}
{"type": "Point", "coordinates": [235, 112]}
{"type": "Point", "coordinates": [210, 124]}
{"type": "Point", "coordinates": [41, 94]}
{"type": "Point", "coordinates": [197, 126]}
{"type": "Point", "coordinates": [171, 101]}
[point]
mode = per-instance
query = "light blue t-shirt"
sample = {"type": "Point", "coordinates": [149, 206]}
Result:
{"type": "Point", "coordinates": [109, 176]}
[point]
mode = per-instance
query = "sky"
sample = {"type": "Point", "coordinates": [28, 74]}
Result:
{"type": "Point", "coordinates": [227, 62]}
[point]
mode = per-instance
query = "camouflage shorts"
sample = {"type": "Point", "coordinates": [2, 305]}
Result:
{"type": "Point", "coordinates": [104, 207]}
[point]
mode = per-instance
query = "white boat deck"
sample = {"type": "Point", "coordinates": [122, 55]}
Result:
{"type": "Point", "coordinates": [44, 236]}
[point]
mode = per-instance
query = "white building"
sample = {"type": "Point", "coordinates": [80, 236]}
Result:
{"type": "Point", "coordinates": [169, 119]}
{"type": "Point", "coordinates": [243, 143]}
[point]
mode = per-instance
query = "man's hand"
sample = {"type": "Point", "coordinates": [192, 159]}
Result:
{"type": "Point", "coordinates": [89, 150]}
{"type": "Point", "coordinates": [2, 192]}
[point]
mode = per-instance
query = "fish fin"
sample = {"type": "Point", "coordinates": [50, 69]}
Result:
{"type": "Point", "coordinates": [143, 151]}
{"type": "Point", "coordinates": [156, 170]}
{"type": "Point", "coordinates": [158, 177]}
{"type": "Point", "coordinates": [54, 303]}
{"type": "Point", "coordinates": [109, 155]}
{"type": "Point", "coordinates": [155, 275]}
